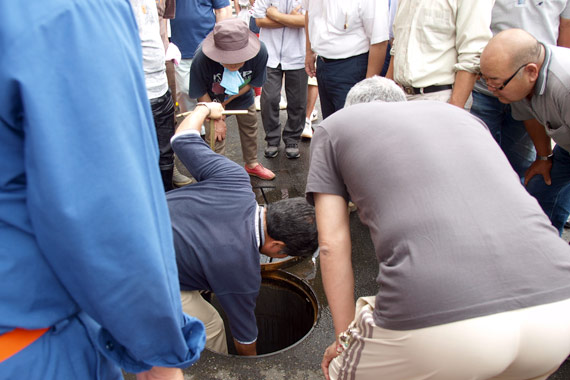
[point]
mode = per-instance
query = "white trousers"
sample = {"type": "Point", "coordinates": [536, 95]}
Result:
{"type": "Point", "coordinates": [522, 344]}
{"type": "Point", "coordinates": [182, 75]}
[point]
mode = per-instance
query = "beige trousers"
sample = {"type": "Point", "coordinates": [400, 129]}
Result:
{"type": "Point", "coordinates": [522, 344]}
{"type": "Point", "coordinates": [247, 125]}
{"type": "Point", "coordinates": [193, 304]}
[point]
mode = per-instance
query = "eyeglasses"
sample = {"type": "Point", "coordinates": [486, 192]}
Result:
{"type": "Point", "coordinates": [505, 83]}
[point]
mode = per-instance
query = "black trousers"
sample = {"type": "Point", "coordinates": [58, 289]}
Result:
{"type": "Point", "coordinates": [163, 114]}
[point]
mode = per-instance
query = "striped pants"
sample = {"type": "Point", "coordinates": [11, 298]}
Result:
{"type": "Point", "coordinates": [528, 343]}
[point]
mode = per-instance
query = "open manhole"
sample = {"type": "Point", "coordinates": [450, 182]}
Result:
{"type": "Point", "coordinates": [286, 311]}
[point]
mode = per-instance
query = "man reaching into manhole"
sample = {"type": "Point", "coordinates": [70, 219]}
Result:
{"type": "Point", "coordinates": [474, 282]}
{"type": "Point", "coordinates": [220, 230]}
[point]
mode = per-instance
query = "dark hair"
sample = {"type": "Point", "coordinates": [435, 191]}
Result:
{"type": "Point", "coordinates": [293, 222]}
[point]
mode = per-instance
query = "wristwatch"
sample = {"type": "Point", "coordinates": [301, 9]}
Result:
{"type": "Point", "coordinates": [544, 158]}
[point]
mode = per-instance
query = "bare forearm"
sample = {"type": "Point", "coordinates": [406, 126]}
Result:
{"type": "Point", "coordinates": [376, 57]}
{"type": "Point", "coordinates": [246, 349]}
{"type": "Point", "coordinates": [241, 91]}
{"type": "Point", "coordinates": [292, 21]}
{"type": "Point", "coordinates": [464, 82]}
{"type": "Point", "coordinates": [538, 135]}
{"type": "Point", "coordinates": [223, 13]}
{"type": "Point", "coordinates": [335, 257]}
{"type": "Point", "coordinates": [268, 23]}
{"type": "Point", "coordinates": [195, 120]}
{"type": "Point", "coordinates": [564, 33]}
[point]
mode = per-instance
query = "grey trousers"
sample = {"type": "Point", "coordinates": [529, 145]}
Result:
{"type": "Point", "coordinates": [296, 92]}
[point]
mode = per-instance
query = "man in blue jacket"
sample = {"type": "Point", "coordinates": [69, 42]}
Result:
{"type": "Point", "coordinates": [86, 257]}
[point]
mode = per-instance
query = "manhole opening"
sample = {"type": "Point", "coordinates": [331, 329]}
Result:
{"type": "Point", "coordinates": [286, 312]}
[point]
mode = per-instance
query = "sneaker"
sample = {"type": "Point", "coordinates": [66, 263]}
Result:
{"type": "Point", "coordinates": [271, 151]}
{"type": "Point", "coordinates": [260, 172]}
{"type": "Point", "coordinates": [283, 103]}
{"type": "Point", "coordinates": [292, 151]}
{"type": "Point", "coordinates": [179, 179]}
{"type": "Point", "coordinates": [308, 130]}
{"type": "Point", "coordinates": [257, 102]}
{"type": "Point", "coordinates": [314, 114]}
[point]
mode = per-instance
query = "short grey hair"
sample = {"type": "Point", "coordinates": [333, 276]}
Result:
{"type": "Point", "coordinates": [375, 89]}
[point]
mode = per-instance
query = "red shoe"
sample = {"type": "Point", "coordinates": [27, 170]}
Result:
{"type": "Point", "coordinates": [260, 172]}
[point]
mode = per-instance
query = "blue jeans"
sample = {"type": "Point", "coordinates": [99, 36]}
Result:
{"type": "Point", "coordinates": [336, 77]}
{"type": "Point", "coordinates": [554, 199]}
{"type": "Point", "coordinates": [509, 133]}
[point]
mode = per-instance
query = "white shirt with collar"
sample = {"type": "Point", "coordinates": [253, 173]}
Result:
{"type": "Point", "coordinates": [433, 39]}
{"type": "Point", "coordinates": [346, 28]}
{"type": "Point", "coordinates": [285, 46]}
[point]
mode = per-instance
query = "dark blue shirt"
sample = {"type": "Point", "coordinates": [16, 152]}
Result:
{"type": "Point", "coordinates": [193, 21]}
{"type": "Point", "coordinates": [213, 223]}
{"type": "Point", "coordinates": [206, 75]}
{"type": "Point", "coordinates": [84, 226]}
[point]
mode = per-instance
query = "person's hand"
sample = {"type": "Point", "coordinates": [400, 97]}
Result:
{"type": "Point", "coordinates": [272, 12]}
{"type": "Point", "coordinates": [216, 110]}
{"type": "Point", "coordinates": [330, 354]}
{"type": "Point", "coordinates": [310, 59]}
{"type": "Point", "coordinates": [220, 129]}
{"type": "Point", "coordinates": [295, 11]}
{"type": "Point", "coordinates": [539, 167]}
{"type": "Point", "coordinates": [161, 373]}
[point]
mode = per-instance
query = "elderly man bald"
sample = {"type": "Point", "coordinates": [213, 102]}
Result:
{"type": "Point", "coordinates": [518, 68]}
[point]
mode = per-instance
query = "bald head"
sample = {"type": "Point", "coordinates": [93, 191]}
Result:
{"type": "Point", "coordinates": [510, 49]}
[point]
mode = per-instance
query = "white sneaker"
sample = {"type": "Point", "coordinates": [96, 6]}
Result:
{"type": "Point", "coordinates": [179, 179]}
{"type": "Point", "coordinates": [283, 103]}
{"type": "Point", "coordinates": [314, 114]}
{"type": "Point", "coordinates": [308, 130]}
{"type": "Point", "coordinates": [257, 102]}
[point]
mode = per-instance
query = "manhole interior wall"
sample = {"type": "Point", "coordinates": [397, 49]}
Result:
{"type": "Point", "coordinates": [286, 311]}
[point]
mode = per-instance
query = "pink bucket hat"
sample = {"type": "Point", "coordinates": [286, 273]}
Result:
{"type": "Point", "coordinates": [231, 42]}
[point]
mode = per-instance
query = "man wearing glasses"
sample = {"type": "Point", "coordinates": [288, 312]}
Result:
{"type": "Point", "coordinates": [549, 22]}
{"type": "Point", "coordinates": [517, 68]}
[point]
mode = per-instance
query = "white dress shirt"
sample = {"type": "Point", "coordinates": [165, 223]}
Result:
{"type": "Point", "coordinates": [343, 28]}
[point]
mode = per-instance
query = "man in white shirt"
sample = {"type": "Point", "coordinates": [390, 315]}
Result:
{"type": "Point", "coordinates": [437, 45]}
{"type": "Point", "coordinates": [282, 30]}
{"type": "Point", "coordinates": [350, 39]}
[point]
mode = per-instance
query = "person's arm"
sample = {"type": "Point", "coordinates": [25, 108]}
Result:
{"type": "Point", "coordinates": [376, 57]}
{"type": "Point", "coordinates": [292, 20]}
{"type": "Point", "coordinates": [473, 31]}
{"type": "Point", "coordinates": [464, 82]}
{"type": "Point", "coordinates": [564, 33]}
{"type": "Point", "coordinates": [241, 91]}
{"type": "Point", "coordinates": [310, 56]}
{"type": "Point", "coordinates": [220, 127]}
{"type": "Point", "coordinates": [236, 6]}
{"type": "Point", "coordinates": [336, 264]}
{"type": "Point", "coordinates": [161, 373]}
{"type": "Point", "coordinates": [246, 349]}
{"type": "Point", "coordinates": [542, 144]}
{"type": "Point", "coordinates": [202, 112]}
{"type": "Point", "coordinates": [223, 13]}
{"type": "Point", "coordinates": [390, 72]}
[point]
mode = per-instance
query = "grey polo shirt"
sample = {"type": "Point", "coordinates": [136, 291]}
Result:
{"type": "Point", "coordinates": [455, 233]}
{"type": "Point", "coordinates": [550, 103]}
{"type": "Point", "coordinates": [539, 18]}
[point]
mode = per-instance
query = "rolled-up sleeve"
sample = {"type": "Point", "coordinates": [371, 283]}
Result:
{"type": "Point", "coordinates": [473, 32]}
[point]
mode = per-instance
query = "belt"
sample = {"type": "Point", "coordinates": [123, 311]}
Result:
{"type": "Point", "coordinates": [426, 90]}
{"type": "Point", "coordinates": [16, 340]}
